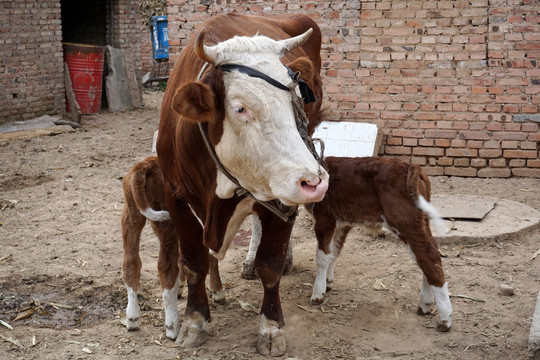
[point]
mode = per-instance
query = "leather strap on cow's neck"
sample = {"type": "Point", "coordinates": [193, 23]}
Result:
{"type": "Point", "coordinates": [284, 212]}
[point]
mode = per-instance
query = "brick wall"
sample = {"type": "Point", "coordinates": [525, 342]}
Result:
{"type": "Point", "coordinates": [454, 85]}
{"type": "Point", "coordinates": [31, 66]}
{"type": "Point", "coordinates": [31, 54]}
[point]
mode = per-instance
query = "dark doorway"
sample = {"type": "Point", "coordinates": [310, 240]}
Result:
{"type": "Point", "coordinates": [84, 22]}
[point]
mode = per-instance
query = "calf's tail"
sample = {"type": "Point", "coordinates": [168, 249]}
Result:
{"type": "Point", "coordinates": [138, 189]}
{"type": "Point", "coordinates": [420, 190]}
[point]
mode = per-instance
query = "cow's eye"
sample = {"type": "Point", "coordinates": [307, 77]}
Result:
{"type": "Point", "coordinates": [240, 110]}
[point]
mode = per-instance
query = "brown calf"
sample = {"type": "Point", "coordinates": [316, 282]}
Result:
{"type": "Point", "coordinates": [373, 192]}
{"type": "Point", "coordinates": [144, 199]}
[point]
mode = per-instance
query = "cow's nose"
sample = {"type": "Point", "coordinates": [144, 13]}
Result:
{"type": "Point", "coordinates": [313, 189]}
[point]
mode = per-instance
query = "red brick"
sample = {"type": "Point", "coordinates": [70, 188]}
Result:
{"type": "Point", "coordinates": [497, 163]}
{"type": "Point", "coordinates": [397, 150]}
{"type": "Point", "coordinates": [494, 173]}
{"type": "Point", "coordinates": [532, 173]}
{"type": "Point", "coordinates": [461, 152]}
{"type": "Point", "coordinates": [517, 163]}
{"type": "Point", "coordinates": [490, 153]}
{"type": "Point", "coordinates": [535, 163]}
{"type": "Point", "coordinates": [467, 172]}
{"type": "Point", "coordinates": [520, 154]}
{"type": "Point", "coordinates": [425, 151]}
{"type": "Point", "coordinates": [445, 161]}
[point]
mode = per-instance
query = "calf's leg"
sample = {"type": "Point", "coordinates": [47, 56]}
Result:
{"type": "Point", "coordinates": [427, 256]}
{"type": "Point", "coordinates": [132, 225]}
{"type": "Point", "coordinates": [169, 276]}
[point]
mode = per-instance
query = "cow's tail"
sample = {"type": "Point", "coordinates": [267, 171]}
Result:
{"type": "Point", "coordinates": [138, 189]}
{"type": "Point", "coordinates": [420, 190]}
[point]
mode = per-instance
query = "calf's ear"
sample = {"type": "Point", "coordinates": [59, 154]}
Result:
{"type": "Point", "coordinates": [305, 66]}
{"type": "Point", "coordinates": [194, 101]}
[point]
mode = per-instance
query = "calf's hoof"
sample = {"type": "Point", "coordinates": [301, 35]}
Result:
{"type": "Point", "coordinates": [443, 326]}
{"type": "Point", "coordinates": [193, 332]}
{"type": "Point", "coordinates": [273, 345]}
{"type": "Point", "coordinates": [424, 310]}
{"type": "Point", "coordinates": [249, 272]}
{"type": "Point", "coordinates": [218, 297]}
{"type": "Point", "coordinates": [287, 270]}
{"type": "Point", "coordinates": [132, 324]}
{"type": "Point", "coordinates": [317, 300]}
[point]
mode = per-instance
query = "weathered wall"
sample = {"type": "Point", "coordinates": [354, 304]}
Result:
{"type": "Point", "coordinates": [31, 67]}
{"type": "Point", "coordinates": [454, 85]}
{"type": "Point", "coordinates": [31, 54]}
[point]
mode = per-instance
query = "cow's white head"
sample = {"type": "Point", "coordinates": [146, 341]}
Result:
{"type": "Point", "coordinates": [252, 123]}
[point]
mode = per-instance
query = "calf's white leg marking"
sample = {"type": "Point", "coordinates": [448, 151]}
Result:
{"type": "Point", "coordinates": [132, 310]}
{"type": "Point", "coordinates": [248, 268]}
{"type": "Point", "coordinates": [442, 299]}
{"type": "Point", "coordinates": [323, 262]}
{"type": "Point", "coordinates": [170, 300]}
{"type": "Point", "coordinates": [426, 297]}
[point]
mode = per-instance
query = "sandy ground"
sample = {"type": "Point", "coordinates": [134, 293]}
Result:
{"type": "Point", "coordinates": [61, 251]}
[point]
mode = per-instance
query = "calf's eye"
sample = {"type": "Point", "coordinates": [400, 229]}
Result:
{"type": "Point", "coordinates": [240, 110]}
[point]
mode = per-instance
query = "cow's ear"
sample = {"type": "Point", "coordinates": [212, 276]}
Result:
{"type": "Point", "coordinates": [305, 66]}
{"type": "Point", "coordinates": [194, 101]}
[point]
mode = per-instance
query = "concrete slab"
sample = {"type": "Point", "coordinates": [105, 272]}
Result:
{"type": "Point", "coordinates": [468, 208]}
{"type": "Point", "coordinates": [348, 139]}
{"type": "Point", "coordinates": [534, 335]}
{"type": "Point", "coordinates": [507, 219]}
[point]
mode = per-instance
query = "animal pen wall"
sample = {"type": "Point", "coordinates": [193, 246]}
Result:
{"type": "Point", "coordinates": [453, 85]}
{"type": "Point", "coordinates": [32, 58]}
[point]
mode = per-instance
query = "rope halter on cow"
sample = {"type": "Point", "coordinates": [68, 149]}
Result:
{"type": "Point", "coordinates": [284, 212]}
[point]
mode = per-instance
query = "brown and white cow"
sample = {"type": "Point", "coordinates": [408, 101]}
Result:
{"type": "Point", "coordinates": [373, 192]}
{"type": "Point", "coordinates": [251, 125]}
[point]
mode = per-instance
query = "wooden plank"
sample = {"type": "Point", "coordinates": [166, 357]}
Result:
{"type": "Point", "coordinates": [73, 104]}
{"type": "Point", "coordinates": [30, 133]}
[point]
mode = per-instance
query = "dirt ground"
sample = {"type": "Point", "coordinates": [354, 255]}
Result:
{"type": "Point", "coordinates": [62, 292]}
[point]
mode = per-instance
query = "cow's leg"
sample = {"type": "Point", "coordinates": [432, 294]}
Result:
{"type": "Point", "coordinates": [132, 225]}
{"type": "Point", "coordinates": [325, 227]}
{"type": "Point", "coordinates": [193, 331]}
{"type": "Point", "coordinates": [427, 256]}
{"type": "Point", "coordinates": [168, 274]}
{"type": "Point", "coordinates": [216, 287]}
{"type": "Point", "coordinates": [338, 240]}
{"type": "Point", "coordinates": [269, 263]}
{"type": "Point", "coordinates": [248, 268]}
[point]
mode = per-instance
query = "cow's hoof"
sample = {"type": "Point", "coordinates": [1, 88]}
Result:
{"type": "Point", "coordinates": [218, 297]}
{"type": "Point", "coordinates": [271, 340]}
{"type": "Point", "coordinates": [132, 324]}
{"type": "Point", "coordinates": [193, 332]}
{"type": "Point", "coordinates": [275, 345]}
{"type": "Point", "coordinates": [443, 326]}
{"type": "Point", "coordinates": [248, 271]}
